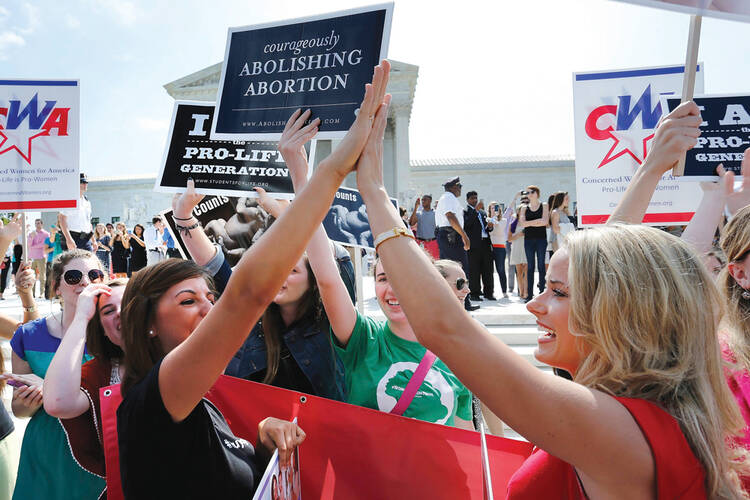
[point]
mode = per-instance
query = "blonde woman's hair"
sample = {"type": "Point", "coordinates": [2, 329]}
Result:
{"type": "Point", "coordinates": [736, 244]}
{"type": "Point", "coordinates": [649, 310]}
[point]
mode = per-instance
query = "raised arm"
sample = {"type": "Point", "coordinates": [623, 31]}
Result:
{"type": "Point", "coordinates": [194, 238]}
{"type": "Point", "coordinates": [551, 412]}
{"type": "Point", "coordinates": [263, 269]}
{"type": "Point", "coordinates": [716, 195]}
{"type": "Point", "coordinates": [62, 383]}
{"type": "Point", "coordinates": [677, 133]}
{"type": "Point", "coordinates": [413, 217]}
{"type": "Point", "coordinates": [340, 311]}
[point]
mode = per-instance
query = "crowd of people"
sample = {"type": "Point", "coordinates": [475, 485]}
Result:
{"type": "Point", "coordinates": [483, 240]}
{"type": "Point", "coordinates": [121, 251]}
{"type": "Point", "coordinates": [657, 347]}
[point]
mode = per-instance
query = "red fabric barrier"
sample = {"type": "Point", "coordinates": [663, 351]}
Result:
{"type": "Point", "coordinates": [351, 452]}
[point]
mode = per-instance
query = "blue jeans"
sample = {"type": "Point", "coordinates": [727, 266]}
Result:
{"type": "Point", "coordinates": [499, 255]}
{"type": "Point", "coordinates": [535, 248]}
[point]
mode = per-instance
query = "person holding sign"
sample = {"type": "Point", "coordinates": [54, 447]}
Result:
{"type": "Point", "coordinates": [171, 328]}
{"type": "Point", "coordinates": [386, 368]}
{"type": "Point", "coordinates": [656, 425]}
{"type": "Point", "coordinates": [289, 347]}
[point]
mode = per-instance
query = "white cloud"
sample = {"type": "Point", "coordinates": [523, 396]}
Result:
{"type": "Point", "coordinates": [72, 22]}
{"type": "Point", "coordinates": [32, 18]}
{"type": "Point", "coordinates": [123, 10]}
{"type": "Point", "coordinates": [4, 13]}
{"type": "Point", "coordinates": [152, 124]}
{"type": "Point", "coordinates": [8, 40]}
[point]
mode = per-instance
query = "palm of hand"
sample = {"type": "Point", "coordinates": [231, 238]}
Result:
{"type": "Point", "coordinates": [9, 231]}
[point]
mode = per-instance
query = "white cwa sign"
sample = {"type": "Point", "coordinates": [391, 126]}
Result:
{"type": "Point", "coordinates": [615, 115]}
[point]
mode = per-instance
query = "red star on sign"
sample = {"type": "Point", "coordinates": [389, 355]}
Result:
{"type": "Point", "coordinates": [636, 142]}
{"type": "Point", "coordinates": [19, 141]}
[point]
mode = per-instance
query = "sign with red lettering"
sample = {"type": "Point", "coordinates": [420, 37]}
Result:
{"type": "Point", "coordinates": [616, 113]}
{"type": "Point", "coordinates": [39, 144]}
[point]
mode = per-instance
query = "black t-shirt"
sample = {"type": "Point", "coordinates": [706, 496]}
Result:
{"type": "Point", "coordinates": [198, 458]}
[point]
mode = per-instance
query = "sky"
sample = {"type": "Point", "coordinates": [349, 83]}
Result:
{"type": "Point", "coordinates": [495, 76]}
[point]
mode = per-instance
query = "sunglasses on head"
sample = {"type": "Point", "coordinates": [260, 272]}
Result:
{"type": "Point", "coordinates": [74, 276]}
{"type": "Point", "coordinates": [460, 283]}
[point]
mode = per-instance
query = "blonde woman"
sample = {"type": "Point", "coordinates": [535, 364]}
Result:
{"type": "Point", "coordinates": [632, 313]}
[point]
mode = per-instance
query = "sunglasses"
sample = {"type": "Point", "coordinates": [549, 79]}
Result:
{"type": "Point", "coordinates": [460, 283]}
{"type": "Point", "coordinates": [74, 276]}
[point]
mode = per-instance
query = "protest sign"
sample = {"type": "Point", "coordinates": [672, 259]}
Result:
{"type": "Point", "coordinates": [725, 134]}
{"type": "Point", "coordinates": [232, 223]}
{"type": "Point", "coordinates": [367, 455]}
{"type": "Point", "coordinates": [321, 63]}
{"type": "Point", "coordinates": [220, 167]}
{"type": "Point", "coordinates": [347, 221]}
{"type": "Point", "coordinates": [39, 144]}
{"type": "Point", "coordinates": [615, 115]}
{"type": "Point", "coordinates": [281, 481]}
{"type": "Point", "coordinates": [734, 10]}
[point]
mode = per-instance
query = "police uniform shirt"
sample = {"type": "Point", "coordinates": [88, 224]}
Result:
{"type": "Point", "coordinates": [448, 203]}
{"type": "Point", "coordinates": [79, 218]}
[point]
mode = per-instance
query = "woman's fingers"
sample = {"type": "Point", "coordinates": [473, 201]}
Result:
{"type": "Point", "coordinates": [292, 119]}
{"type": "Point", "coordinates": [300, 121]}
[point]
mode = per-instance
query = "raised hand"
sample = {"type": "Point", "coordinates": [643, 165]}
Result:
{"type": "Point", "coordinates": [25, 278]}
{"type": "Point", "coordinates": [676, 133]}
{"type": "Point", "coordinates": [87, 300]}
{"type": "Point", "coordinates": [273, 206]}
{"type": "Point", "coordinates": [184, 203]}
{"type": "Point", "coordinates": [737, 199]}
{"type": "Point", "coordinates": [370, 163]}
{"type": "Point", "coordinates": [345, 156]}
{"type": "Point", "coordinates": [11, 230]}
{"type": "Point", "coordinates": [292, 143]}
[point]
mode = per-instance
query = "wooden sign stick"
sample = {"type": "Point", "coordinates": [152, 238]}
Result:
{"type": "Point", "coordinates": [688, 80]}
{"type": "Point", "coordinates": [23, 239]}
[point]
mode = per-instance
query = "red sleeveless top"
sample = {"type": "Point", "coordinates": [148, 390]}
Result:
{"type": "Point", "coordinates": [679, 475]}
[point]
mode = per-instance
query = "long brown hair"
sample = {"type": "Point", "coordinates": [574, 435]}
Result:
{"type": "Point", "coordinates": [97, 344]}
{"type": "Point", "coordinates": [139, 302]}
{"type": "Point", "coordinates": [310, 308]}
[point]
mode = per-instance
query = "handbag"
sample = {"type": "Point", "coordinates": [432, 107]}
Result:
{"type": "Point", "coordinates": [414, 382]}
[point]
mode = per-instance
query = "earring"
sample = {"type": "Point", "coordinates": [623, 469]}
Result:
{"type": "Point", "coordinates": [151, 332]}
{"type": "Point", "coordinates": [746, 295]}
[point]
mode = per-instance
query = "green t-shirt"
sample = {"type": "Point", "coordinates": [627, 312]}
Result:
{"type": "Point", "coordinates": [378, 366]}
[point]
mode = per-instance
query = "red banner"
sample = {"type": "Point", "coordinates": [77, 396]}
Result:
{"type": "Point", "coordinates": [351, 452]}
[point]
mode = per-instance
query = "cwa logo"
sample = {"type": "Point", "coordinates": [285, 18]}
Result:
{"type": "Point", "coordinates": [21, 123]}
{"type": "Point", "coordinates": [619, 123]}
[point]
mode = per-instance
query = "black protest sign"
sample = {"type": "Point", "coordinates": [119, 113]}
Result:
{"type": "Point", "coordinates": [218, 167]}
{"type": "Point", "coordinates": [346, 221]}
{"type": "Point", "coordinates": [725, 134]}
{"type": "Point", "coordinates": [321, 63]}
